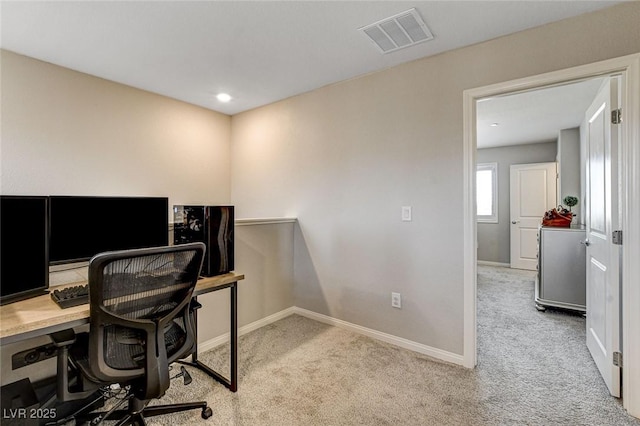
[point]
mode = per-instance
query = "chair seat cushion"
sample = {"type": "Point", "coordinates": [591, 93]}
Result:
{"type": "Point", "coordinates": [127, 351]}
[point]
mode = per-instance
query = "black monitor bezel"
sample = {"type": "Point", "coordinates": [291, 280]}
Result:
{"type": "Point", "coordinates": [42, 289]}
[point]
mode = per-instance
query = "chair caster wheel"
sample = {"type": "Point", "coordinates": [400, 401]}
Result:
{"type": "Point", "coordinates": [207, 412]}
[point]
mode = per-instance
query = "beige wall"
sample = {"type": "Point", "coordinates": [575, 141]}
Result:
{"type": "Point", "coordinates": [68, 133]}
{"type": "Point", "coordinates": [345, 158]}
{"type": "Point", "coordinates": [264, 254]}
{"type": "Point", "coordinates": [65, 132]}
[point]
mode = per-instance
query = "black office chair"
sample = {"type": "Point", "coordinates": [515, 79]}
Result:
{"type": "Point", "coordinates": [139, 324]}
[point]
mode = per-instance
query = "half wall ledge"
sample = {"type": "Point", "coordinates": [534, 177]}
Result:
{"type": "Point", "coordinates": [265, 221]}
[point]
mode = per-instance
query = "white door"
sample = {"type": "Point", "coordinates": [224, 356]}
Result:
{"type": "Point", "coordinates": [603, 280]}
{"type": "Point", "coordinates": [532, 193]}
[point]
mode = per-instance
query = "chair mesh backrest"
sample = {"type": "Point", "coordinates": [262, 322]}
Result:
{"type": "Point", "coordinates": [146, 285]}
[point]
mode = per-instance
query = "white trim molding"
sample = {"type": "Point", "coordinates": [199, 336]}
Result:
{"type": "Point", "coordinates": [388, 338]}
{"type": "Point", "coordinates": [630, 151]}
{"type": "Point", "coordinates": [488, 263]}
{"type": "Point", "coordinates": [470, 231]}
{"type": "Point", "coordinates": [255, 221]}
{"type": "Point", "coordinates": [264, 221]}
{"type": "Point", "coordinates": [224, 338]}
{"type": "Point", "coordinates": [378, 335]}
{"type": "Point", "coordinates": [629, 68]}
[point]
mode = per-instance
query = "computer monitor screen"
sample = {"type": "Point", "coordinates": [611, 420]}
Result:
{"type": "Point", "coordinates": [83, 226]}
{"type": "Point", "coordinates": [24, 264]}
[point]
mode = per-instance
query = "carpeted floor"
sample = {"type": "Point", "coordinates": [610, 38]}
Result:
{"type": "Point", "coordinates": [533, 369]}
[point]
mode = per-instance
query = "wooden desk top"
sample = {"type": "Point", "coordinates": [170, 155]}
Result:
{"type": "Point", "coordinates": [40, 315]}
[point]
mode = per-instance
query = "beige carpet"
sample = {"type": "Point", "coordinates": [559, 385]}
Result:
{"type": "Point", "coordinates": [533, 370]}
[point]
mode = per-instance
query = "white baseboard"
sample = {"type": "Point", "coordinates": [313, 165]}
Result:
{"type": "Point", "coordinates": [224, 338]}
{"type": "Point", "coordinates": [378, 335]}
{"type": "Point", "coordinates": [388, 338]}
{"type": "Point", "coordinates": [487, 263]}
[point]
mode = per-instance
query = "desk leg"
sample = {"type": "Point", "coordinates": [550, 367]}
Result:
{"type": "Point", "coordinates": [232, 384]}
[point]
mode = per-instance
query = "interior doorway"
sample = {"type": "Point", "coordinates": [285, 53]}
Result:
{"type": "Point", "coordinates": [629, 69]}
{"type": "Point", "coordinates": [520, 130]}
{"type": "Point", "coordinates": [534, 188]}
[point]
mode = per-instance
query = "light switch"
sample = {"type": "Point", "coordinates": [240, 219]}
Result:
{"type": "Point", "coordinates": [406, 213]}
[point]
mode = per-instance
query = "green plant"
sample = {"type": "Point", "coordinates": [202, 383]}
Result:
{"type": "Point", "coordinates": [570, 201]}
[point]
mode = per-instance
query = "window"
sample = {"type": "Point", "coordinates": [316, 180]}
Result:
{"type": "Point", "coordinates": [487, 192]}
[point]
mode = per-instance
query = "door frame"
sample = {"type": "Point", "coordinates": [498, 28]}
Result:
{"type": "Point", "coordinates": [629, 68]}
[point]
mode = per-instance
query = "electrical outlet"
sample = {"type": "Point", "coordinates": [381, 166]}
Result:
{"type": "Point", "coordinates": [396, 300]}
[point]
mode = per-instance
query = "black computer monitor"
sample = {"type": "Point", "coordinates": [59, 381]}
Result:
{"type": "Point", "coordinates": [83, 226]}
{"type": "Point", "coordinates": [24, 261]}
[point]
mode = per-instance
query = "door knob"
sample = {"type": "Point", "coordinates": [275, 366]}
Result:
{"type": "Point", "coordinates": [586, 243]}
{"type": "Point", "coordinates": [513, 222]}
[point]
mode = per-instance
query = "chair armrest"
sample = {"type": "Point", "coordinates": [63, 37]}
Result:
{"type": "Point", "coordinates": [63, 338]}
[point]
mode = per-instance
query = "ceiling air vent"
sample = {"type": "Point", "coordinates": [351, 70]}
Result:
{"type": "Point", "coordinates": [399, 31]}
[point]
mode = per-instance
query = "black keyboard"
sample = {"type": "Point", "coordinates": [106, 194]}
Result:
{"type": "Point", "coordinates": [71, 296]}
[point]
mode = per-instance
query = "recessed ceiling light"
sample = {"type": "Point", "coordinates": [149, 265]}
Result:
{"type": "Point", "coordinates": [495, 124]}
{"type": "Point", "coordinates": [223, 97]}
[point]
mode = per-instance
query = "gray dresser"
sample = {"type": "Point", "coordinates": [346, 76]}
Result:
{"type": "Point", "coordinates": [561, 280]}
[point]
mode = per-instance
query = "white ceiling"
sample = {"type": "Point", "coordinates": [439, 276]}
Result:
{"type": "Point", "coordinates": [259, 52]}
{"type": "Point", "coordinates": [534, 116]}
